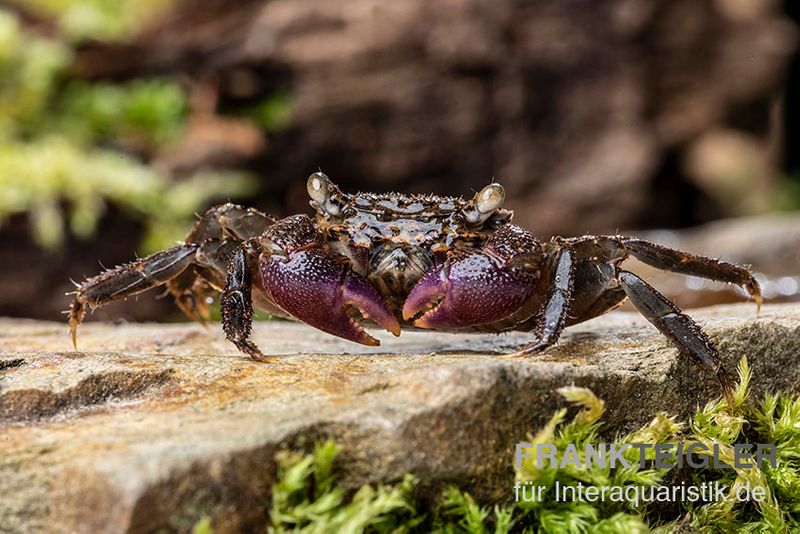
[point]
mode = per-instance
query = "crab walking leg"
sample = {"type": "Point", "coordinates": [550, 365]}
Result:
{"type": "Point", "coordinates": [237, 306]}
{"type": "Point", "coordinates": [218, 232]}
{"type": "Point", "coordinates": [128, 279]}
{"type": "Point", "coordinates": [190, 292]}
{"type": "Point", "coordinates": [678, 327]}
{"type": "Point", "coordinates": [683, 263]}
{"type": "Point", "coordinates": [193, 288]}
{"type": "Point", "coordinates": [229, 220]}
{"type": "Point", "coordinates": [553, 316]}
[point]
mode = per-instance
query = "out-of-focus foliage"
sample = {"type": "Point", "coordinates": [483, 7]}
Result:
{"type": "Point", "coordinates": [145, 111]}
{"type": "Point", "coordinates": [51, 163]}
{"type": "Point", "coordinates": [787, 197]}
{"type": "Point", "coordinates": [43, 176]}
{"type": "Point", "coordinates": [99, 19]}
{"type": "Point", "coordinates": [273, 113]}
{"type": "Point", "coordinates": [29, 68]}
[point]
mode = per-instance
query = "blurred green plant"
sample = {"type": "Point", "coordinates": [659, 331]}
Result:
{"type": "Point", "coordinates": [104, 20]}
{"type": "Point", "coordinates": [787, 195]}
{"type": "Point", "coordinates": [307, 498]}
{"type": "Point", "coordinates": [272, 113]}
{"type": "Point", "coordinates": [50, 163]}
{"type": "Point", "coordinates": [54, 180]}
{"type": "Point", "coordinates": [29, 70]}
{"type": "Point", "coordinates": [147, 112]}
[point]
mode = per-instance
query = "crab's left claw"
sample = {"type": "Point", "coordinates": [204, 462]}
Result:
{"type": "Point", "coordinates": [323, 292]}
{"type": "Point", "coordinates": [472, 288]}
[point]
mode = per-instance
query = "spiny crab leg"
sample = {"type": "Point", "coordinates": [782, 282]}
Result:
{"type": "Point", "coordinates": [126, 280]}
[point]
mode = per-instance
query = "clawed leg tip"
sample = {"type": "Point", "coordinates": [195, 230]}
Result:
{"type": "Point", "coordinates": [725, 386]}
{"type": "Point", "coordinates": [256, 355]}
{"type": "Point", "coordinates": [252, 351]}
{"type": "Point", "coordinates": [73, 335]}
{"type": "Point", "coordinates": [366, 339]}
{"type": "Point", "coordinates": [529, 351]}
{"type": "Point", "coordinates": [729, 400]}
{"type": "Point", "coordinates": [521, 354]}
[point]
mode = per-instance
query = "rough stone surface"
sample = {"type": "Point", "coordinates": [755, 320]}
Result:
{"type": "Point", "coordinates": [153, 426]}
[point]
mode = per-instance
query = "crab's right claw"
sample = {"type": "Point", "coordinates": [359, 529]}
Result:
{"type": "Point", "coordinates": [471, 289]}
{"type": "Point", "coordinates": [324, 293]}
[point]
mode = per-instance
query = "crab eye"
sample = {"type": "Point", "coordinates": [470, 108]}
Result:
{"type": "Point", "coordinates": [485, 202]}
{"type": "Point", "coordinates": [323, 194]}
{"type": "Point", "coordinates": [490, 198]}
{"type": "Point", "coordinates": [318, 187]}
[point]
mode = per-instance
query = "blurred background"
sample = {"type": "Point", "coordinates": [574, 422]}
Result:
{"type": "Point", "coordinates": [678, 120]}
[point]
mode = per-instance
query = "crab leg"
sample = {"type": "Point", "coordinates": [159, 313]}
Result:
{"type": "Point", "coordinates": [677, 261]}
{"type": "Point", "coordinates": [190, 292]}
{"type": "Point", "coordinates": [678, 327]}
{"type": "Point", "coordinates": [552, 318]}
{"type": "Point", "coordinates": [218, 232]}
{"type": "Point", "coordinates": [129, 279]}
{"type": "Point", "coordinates": [237, 305]}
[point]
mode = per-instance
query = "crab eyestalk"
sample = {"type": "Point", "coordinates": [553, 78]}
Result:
{"type": "Point", "coordinates": [326, 197]}
{"type": "Point", "coordinates": [485, 203]}
{"type": "Point", "coordinates": [324, 293]}
{"type": "Point", "coordinates": [471, 289]}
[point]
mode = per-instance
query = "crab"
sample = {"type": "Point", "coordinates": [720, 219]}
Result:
{"type": "Point", "coordinates": [409, 261]}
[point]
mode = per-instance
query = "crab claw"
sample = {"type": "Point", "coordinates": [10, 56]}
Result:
{"type": "Point", "coordinates": [322, 292]}
{"type": "Point", "coordinates": [471, 289]}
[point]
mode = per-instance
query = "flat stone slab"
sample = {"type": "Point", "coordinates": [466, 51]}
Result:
{"type": "Point", "coordinates": [151, 427]}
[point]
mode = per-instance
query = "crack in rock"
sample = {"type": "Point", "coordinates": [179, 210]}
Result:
{"type": "Point", "coordinates": [32, 404]}
{"type": "Point", "coordinates": [11, 363]}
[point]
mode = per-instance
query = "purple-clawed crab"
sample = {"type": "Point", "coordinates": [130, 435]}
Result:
{"type": "Point", "coordinates": [409, 261]}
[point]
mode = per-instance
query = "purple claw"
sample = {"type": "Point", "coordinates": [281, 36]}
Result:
{"type": "Point", "coordinates": [318, 290]}
{"type": "Point", "coordinates": [472, 289]}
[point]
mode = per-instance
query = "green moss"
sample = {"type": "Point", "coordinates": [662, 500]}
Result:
{"type": "Point", "coordinates": [306, 497]}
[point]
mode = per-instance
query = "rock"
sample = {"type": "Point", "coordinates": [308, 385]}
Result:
{"type": "Point", "coordinates": [153, 426]}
